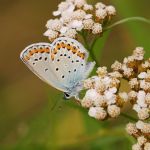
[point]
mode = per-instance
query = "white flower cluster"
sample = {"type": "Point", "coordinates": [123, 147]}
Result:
{"type": "Point", "coordinates": [137, 71]}
{"type": "Point", "coordinates": [102, 98]}
{"type": "Point", "coordinates": [73, 16]}
{"type": "Point", "coordinates": [141, 131]}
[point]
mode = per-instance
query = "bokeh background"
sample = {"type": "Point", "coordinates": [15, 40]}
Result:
{"type": "Point", "coordinates": [28, 120]}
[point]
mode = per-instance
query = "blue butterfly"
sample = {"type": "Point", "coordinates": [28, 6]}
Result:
{"type": "Point", "coordinates": [62, 64]}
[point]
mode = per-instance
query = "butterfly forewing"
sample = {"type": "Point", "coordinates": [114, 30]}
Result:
{"type": "Point", "coordinates": [38, 59]}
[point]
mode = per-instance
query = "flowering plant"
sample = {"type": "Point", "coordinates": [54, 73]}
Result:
{"type": "Point", "coordinates": [86, 23]}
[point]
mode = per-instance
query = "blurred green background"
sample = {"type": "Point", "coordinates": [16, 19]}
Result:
{"type": "Point", "coordinates": [27, 120]}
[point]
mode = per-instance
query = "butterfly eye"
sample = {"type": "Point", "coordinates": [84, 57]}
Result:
{"type": "Point", "coordinates": [67, 95]}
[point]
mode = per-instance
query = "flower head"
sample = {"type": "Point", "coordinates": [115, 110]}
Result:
{"type": "Point", "coordinates": [78, 15]}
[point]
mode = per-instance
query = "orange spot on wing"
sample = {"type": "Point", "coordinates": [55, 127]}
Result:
{"type": "Point", "coordinates": [26, 58]}
{"type": "Point", "coordinates": [47, 50]}
{"type": "Point", "coordinates": [35, 51]}
{"type": "Point", "coordinates": [81, 55]}
{"type": "Point", "coordinates": [63, 45]}
{"type": "Point", "coordinates": [55, 50]}
{"type": "Point", "coordinates": [31, 52]}
{"type": "Point", "coordinates": [41, 50]}
{"type": "Point", "coordinates": [52, 56]}
{"type": "Point", "coordinates": [74, 50]}
{"type": "Point", "coordinates": [69, 47]}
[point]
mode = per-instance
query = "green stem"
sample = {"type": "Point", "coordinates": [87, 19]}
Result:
{"type": "Point", "coordinates": [129, 117]}
{"type": "Point", "coordinates": [142, 19]}
{"type": "Point", "coordinates": [90, 49]}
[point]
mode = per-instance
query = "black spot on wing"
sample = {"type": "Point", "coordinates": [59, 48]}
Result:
{"type": "Point", "coordinates": [46, 69]}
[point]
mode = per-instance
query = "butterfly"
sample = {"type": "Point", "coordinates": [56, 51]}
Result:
{"type": "Point", "coordinates": [62, 64]}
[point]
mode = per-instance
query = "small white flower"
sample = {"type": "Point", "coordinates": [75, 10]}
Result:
{"type": "Point", "coordinates": [147, 146]}
{"type": "Point", "coordinates": [131, 129]}
{"type": "Point", "coordinates": [100, 5]}
{"type": "Point", "coordinates": [113, 111]}
{"type": "Point", "coordinates": [97, 28]}
{"type": "Point", "coordinates": [63, 30]}
{"type": "Point", "coordinates": [113, 90]}
{"type": "Point", "coordinates": [101, 13]}
{"type": "Point", "coordinates": [147, 99]}
{"type": "Point", "coordinates": [97, 112]}
{"type": "Point", "coordinates": [124, 96]}
{"type": "Point", "coordinates": [87, 7]}
{"type": "Point", "coordinates": [107, 80]}
{"type": "Point", "coordinates": [92, 112]}
{"type": "Point", "coordinates": [141, 99]}
{"type": "Point", "coordinates": [140, 125]}
{"type": "Point", "coordinates": [144, 85]}
{"type": "Point", "coordinates": [76, 24]}
{"type": "Point", "coordinates": [136, 107]}
{"type": "Point", "coordinates": [111, 10]}
{"type": "Point", "coordinates": [88, 16]}
{"type": "Point", "coordinates": [79, 3]}
{"type": "Point", "coordinates": [78, 15]}
{"type": "Point", "coordinates": [56, 13]}
{"type": "Point", "coordinates": [54, 24]}
{"type": "Point", "coordinates": [88, 24]}
{"type": "Point", "coordinates": [110, 97]}
{"type": "Point", "coordinates": [144, 127]}
{"type": "Point", "coordinates": [116, 66]}
{"type": "Point", "coordinates": [141, 140]}
{"type": "Point", "coordinates": [71, 33]}
{"type": "Point", "coordinates": [66, 6]}
{"type": "Point", "coordinates": [51, 34]}
{"type": "Point", "coordinates": [143, 113]}
{"type": "Point", "coordinates": [138, 53]}
{"type": "Point", "coordinates": [142, 75]}
{"type": "Point", "coordinates": [101, 71]}
{"type": "Point", "coordinates": [136, 147]}
{"type": "Point", "coordinates": [92, 94]}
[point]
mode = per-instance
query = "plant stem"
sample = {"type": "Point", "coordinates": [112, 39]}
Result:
{"type": "Point", "coordinates": [129, 117]}
{"type": "Point", "coordinates": [142, 19]}
{"type": "Point", "coordinates": [90, 49]}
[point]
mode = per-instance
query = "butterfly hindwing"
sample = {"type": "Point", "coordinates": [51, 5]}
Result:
{"type": "Point", "coordinates": [72, 58]}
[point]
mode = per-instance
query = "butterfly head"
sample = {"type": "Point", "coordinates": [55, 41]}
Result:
{"type": "Point", "coordinates": [67, 96]}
